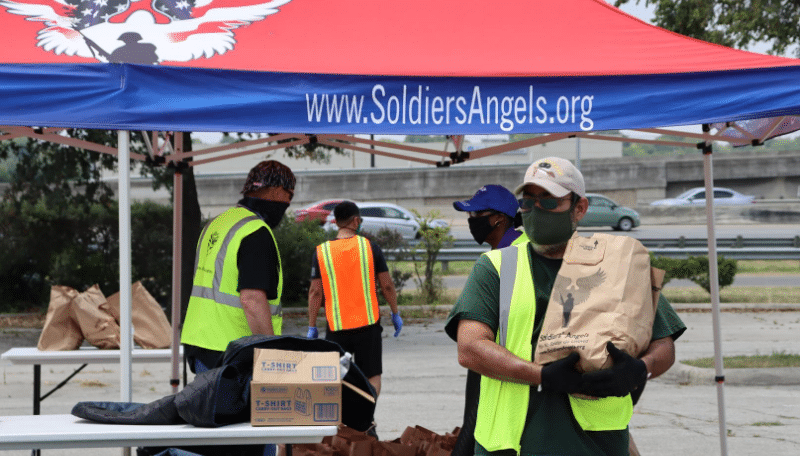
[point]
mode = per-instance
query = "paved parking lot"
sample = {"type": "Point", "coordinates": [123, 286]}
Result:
{"type": "Point", "coordinates": [423, 385]}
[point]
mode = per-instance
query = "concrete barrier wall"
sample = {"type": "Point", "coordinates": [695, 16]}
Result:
{"type": "Point", "coordinates": [633, 182]}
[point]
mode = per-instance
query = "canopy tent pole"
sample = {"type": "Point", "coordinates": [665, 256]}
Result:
{"type": "Point", "coordinates": [713, 278]}
{"type": "Point", "coordinates": [177, 230]}
{"type": "Point", "coordinates": [126, 329]}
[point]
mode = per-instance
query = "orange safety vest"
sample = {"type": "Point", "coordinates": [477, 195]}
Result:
{"type": "Point", "coordinates": [348, 278]}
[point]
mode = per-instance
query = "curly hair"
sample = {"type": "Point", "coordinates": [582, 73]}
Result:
{"type": "Point", "coordinates": [269, 173]}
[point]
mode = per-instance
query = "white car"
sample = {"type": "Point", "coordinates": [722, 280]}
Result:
{"type": "Point", "coordinates": [697, 197]}
{"type": "Point", "coordinates": [389, 216]}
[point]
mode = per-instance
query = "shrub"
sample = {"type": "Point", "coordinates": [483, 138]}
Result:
{"type": "Point", "coordinates": [393, 246]}
{"type": "Point", "coordinates": [696, 269]}
{"type": "Point", "coordinates": [297, 242]}
{"type": "Point", "coordinates": [78, 248]}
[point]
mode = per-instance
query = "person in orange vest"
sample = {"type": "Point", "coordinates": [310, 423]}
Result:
{"type": "Point", "coordinates": [344, 273]}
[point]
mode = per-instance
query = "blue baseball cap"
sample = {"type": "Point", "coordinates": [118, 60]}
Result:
{"type": "Point", "coordinates": [490, 197]}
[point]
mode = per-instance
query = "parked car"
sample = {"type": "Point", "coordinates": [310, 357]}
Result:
{"type": "Point", "coordinates": [697, 197]}
{"type": "Point", "coordinates": [389, 216]}
{"type": "Point", "coordinates": [605, 212]}
{"type": "Point", "coordinates": [316, 211]}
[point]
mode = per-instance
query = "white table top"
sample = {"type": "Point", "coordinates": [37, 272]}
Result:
{"type": "Point", "coordinates": [87, 355]}
{"type": "Point", "coordinates": [67, 431]}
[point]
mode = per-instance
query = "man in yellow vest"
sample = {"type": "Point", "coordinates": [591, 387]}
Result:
{"type": "Point", "coordinates": [343, 273]}
{"type": "Point", "coordinates": [493, 212]}
{"type": "Point", "coordinates": [525, 408]}
{"type": "Point", "coordinates": [238, 280]}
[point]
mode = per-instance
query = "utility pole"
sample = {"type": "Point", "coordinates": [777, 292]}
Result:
{"type": "Point", "coordinates": [372, 156]}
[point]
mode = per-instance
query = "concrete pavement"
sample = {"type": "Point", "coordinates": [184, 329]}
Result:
{"type": "Point", "coordinates": [423, 385]}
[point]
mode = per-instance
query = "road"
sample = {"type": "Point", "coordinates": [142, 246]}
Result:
{"type": "Point", "coordinates": [424, 385]}
{"type": "Point", "coordinates": [460, 230]}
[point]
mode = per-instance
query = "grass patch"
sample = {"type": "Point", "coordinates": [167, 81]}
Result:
{"type": "Point", "coordinates": [25, 320]}
{"type": "Point", "coordinates": [750, 362]}
{"type": "Point", "coordinates": [752, 295]}
{"type": "Point", "coordinates": [768, 267]}
{"type": "Point", "coordinates": [767, 423]}
{"type": "Point", "coordinates": [453, 267]}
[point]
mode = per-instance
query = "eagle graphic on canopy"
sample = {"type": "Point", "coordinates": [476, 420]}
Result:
{"type": "Point", "coordinates": [140, 31]}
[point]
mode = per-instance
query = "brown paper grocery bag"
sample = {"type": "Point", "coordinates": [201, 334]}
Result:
{"type": "Point", "coordinates": [151, 328]}
{"type": "Point", "coordinates": [98, 325]}
{"type": "Point", "coordinates": [604, 292]}
{"type": "Point", "coordinates": [61, 330]}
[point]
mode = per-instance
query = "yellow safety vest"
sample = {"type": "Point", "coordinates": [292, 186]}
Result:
{"type": "Point", "coordinates": [503, 406]}
{"type": "Point", "coordinates": [215, 315]}
{"type": "Point", "coordinates": [521, 239]}
{"type": "Point", "coordinates": [348, 279]}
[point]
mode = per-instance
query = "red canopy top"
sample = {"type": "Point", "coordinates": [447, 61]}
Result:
{"type": "Point", "coordinates": [368, 37]}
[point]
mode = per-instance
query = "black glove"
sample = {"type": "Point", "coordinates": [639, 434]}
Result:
{"type": "Point", "coordinates": [619, 380]}
{"type": "Point", "coordinates": [562, 375]}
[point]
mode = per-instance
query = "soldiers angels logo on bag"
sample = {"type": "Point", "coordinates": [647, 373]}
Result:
{"type": "Point", "coordinates": [572, 294]}
{"type": "Point", "coordinates": [145, 32]}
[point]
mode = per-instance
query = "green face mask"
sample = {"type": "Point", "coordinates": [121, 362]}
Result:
{"type": "Point", "coordinates": [548, 228]}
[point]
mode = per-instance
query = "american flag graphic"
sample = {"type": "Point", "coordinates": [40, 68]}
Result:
{"type": "Point", "coordinates": [140, 31]}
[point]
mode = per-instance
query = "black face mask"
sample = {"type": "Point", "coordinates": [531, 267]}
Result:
{"type": "Point", "coordinates": [480, 228]}
{"type": "Point", "coordinates": [272, 211]}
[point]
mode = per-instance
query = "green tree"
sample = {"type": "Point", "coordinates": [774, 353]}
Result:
{"type": "Point", "coordinates": [425, 138]}
{"type": "Point", "coordinates": [734, 23]}
{"type": "Point", "coordinates": [45, 246]}
{"type": "Point", "coordinates": [433, 238]}
{"type": "Point", "coordinates": [54, 187]}
{"type": "Point", "coordinates": [311, 150]}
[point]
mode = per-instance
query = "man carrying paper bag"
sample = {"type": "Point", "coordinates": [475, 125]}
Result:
{"type": "Point", "coordinates": [604, 292]}
{"type": "Point", "coordinates": [524, 406]}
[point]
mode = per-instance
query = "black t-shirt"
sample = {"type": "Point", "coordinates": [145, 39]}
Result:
{"type": "Point", "coordinates": [257, 258]}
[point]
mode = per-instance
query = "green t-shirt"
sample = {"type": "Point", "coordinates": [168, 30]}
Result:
{"type": "Point", "coordinates": [550, 427]}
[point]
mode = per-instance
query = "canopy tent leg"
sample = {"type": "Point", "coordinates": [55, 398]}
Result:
{"type": "Point", "coordinates": [177, 229]}
{"type": "Point", "coordinates": [126, 326]}
{"type": "Point", "coordinates": [713, 277]}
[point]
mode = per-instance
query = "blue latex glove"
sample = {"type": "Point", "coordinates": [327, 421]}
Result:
{"type": "Point", "coordinates": [312, 332]}
{"type": "Point", "coordinates": [398, 323]}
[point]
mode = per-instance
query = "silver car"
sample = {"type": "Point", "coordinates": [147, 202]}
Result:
{"type": "Point", "coordinates": [697, 197]}
{"type": "Point", "coordinates": [387, 215]}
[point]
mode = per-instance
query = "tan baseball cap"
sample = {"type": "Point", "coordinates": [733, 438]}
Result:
{"type": "Point", "coordinates": [556, 175]}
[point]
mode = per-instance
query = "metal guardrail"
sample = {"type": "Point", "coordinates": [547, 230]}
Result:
{"type": "Point", "coordinates": [682, 242]}
{"type": "Point", "coordinates": [734, 248]}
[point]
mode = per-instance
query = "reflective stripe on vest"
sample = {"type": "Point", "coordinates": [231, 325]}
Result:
{"type": "Point", "coordinates": [601, 414]}
{"type": "Point", "coordinates": [215, 315]}
{"type": "Point", "coordinates": [503, 406]}
{"type": "Point", "coordinates": [350, 299]}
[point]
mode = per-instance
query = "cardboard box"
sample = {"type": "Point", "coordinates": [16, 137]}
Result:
{"type": "Point", "coordinates": [293, 388]}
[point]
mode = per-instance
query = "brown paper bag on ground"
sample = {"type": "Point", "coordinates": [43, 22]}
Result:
{"type": "Point", "coordinates": [61, 330]}
{"type": "Point", "coordinates": [604, 292]}
{"type": "Point", "coordinates": [151, 328]}
{"type": "Point", "coordinates": [97, 325]}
